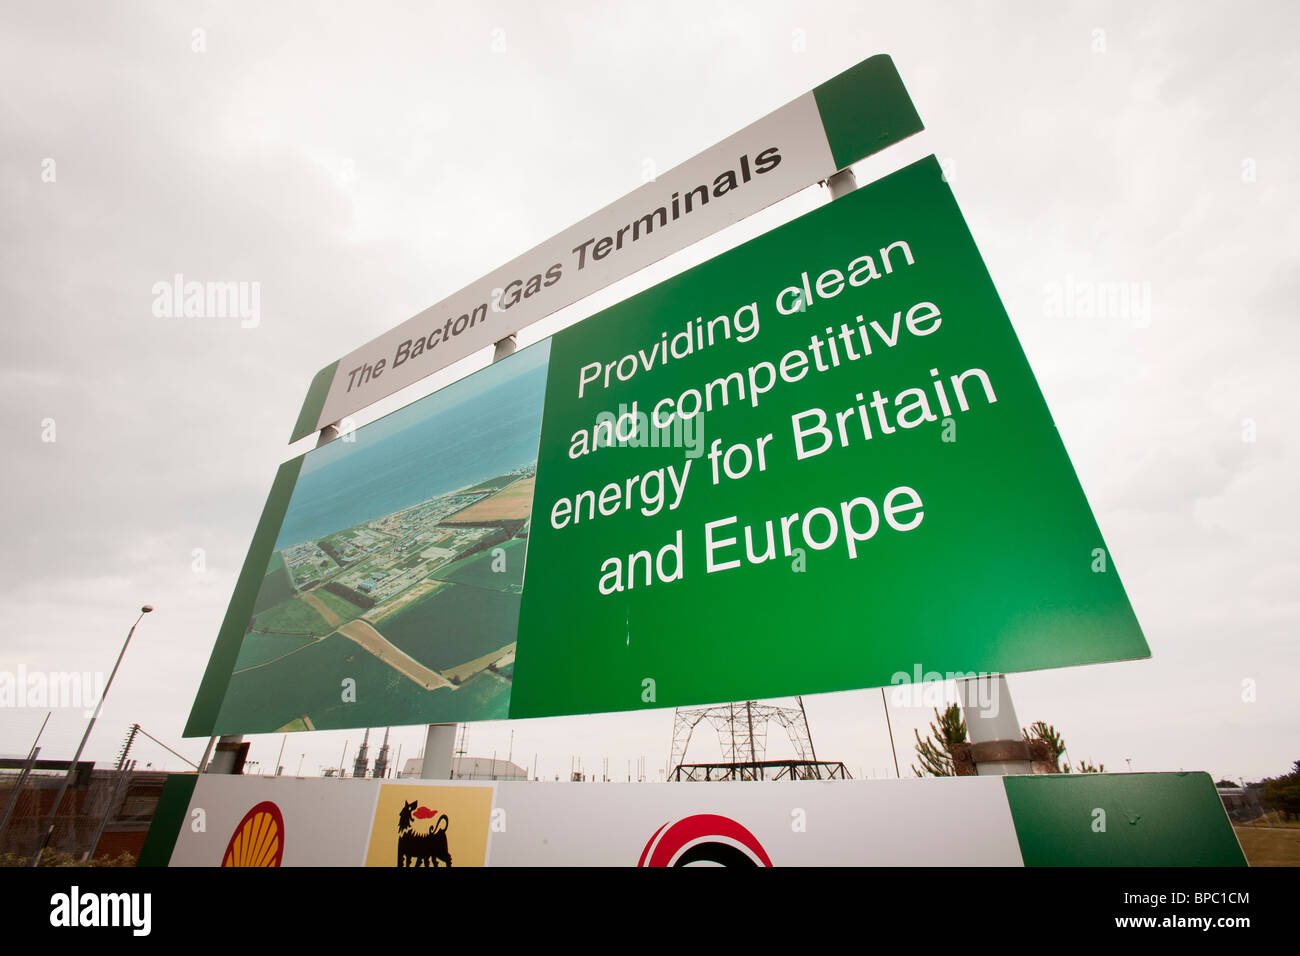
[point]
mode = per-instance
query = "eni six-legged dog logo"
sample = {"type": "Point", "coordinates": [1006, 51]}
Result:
{"type": "Point", "coordinates": [430, 825]}
{"type": "Point", "coordinates": [422, 849]}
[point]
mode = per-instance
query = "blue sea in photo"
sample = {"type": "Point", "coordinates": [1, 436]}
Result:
{"type": "Point", "coordinates": [482, 426]}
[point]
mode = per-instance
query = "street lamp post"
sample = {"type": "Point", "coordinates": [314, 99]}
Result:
{"type": "Point", "coordinates": [72, 768]}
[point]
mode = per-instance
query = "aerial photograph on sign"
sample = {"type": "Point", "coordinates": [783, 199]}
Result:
{"type": "Point", "coordinates": [400, 563]}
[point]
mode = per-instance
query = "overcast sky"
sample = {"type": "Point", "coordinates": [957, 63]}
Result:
{"type": "Point", "coordinates": [361, 161]}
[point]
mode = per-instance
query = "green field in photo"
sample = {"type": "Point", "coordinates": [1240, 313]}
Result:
{"type": "Point", "coordinates": [258, 648]}
{"type": "Point", "coordinates": [454, 625]}
{"type": "Point", "coordinates": [292, 616]}
{"type": "Point", "coordinates": [477, 570]}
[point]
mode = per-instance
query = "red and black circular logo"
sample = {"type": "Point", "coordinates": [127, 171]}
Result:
{"type": "Point", "coordinates": [704, 838]}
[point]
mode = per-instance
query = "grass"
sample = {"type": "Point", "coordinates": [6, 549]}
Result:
{"type": "Point", "coordinates": [477, 570]}
{"type": "Point", "coordinates": [1270, 846]}
{"type": "Point", "coordinates": [340, 606]}
{"type": "Point", "coordinates": [260, 648]}
{"type": "Point", "coordinates": [292, 615]}
{"type": "Point", "coordinates": [455, 625]}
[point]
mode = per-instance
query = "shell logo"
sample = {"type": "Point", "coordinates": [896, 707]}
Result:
{"type": "Point", "coordinates": [259, 838]}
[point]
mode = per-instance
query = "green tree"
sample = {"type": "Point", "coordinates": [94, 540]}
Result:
{"type": "Point", "coordinates": [1283, 793]}
{"type": "Point", "coordinates": [1040, 730]}
{"type": "Point", "coordinates": [935, 751]}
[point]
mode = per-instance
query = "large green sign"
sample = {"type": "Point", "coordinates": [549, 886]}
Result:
{"type": "Point", "coordinates": [872, 481]}
{"type": "Point", "coordinates": [817, 462]}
